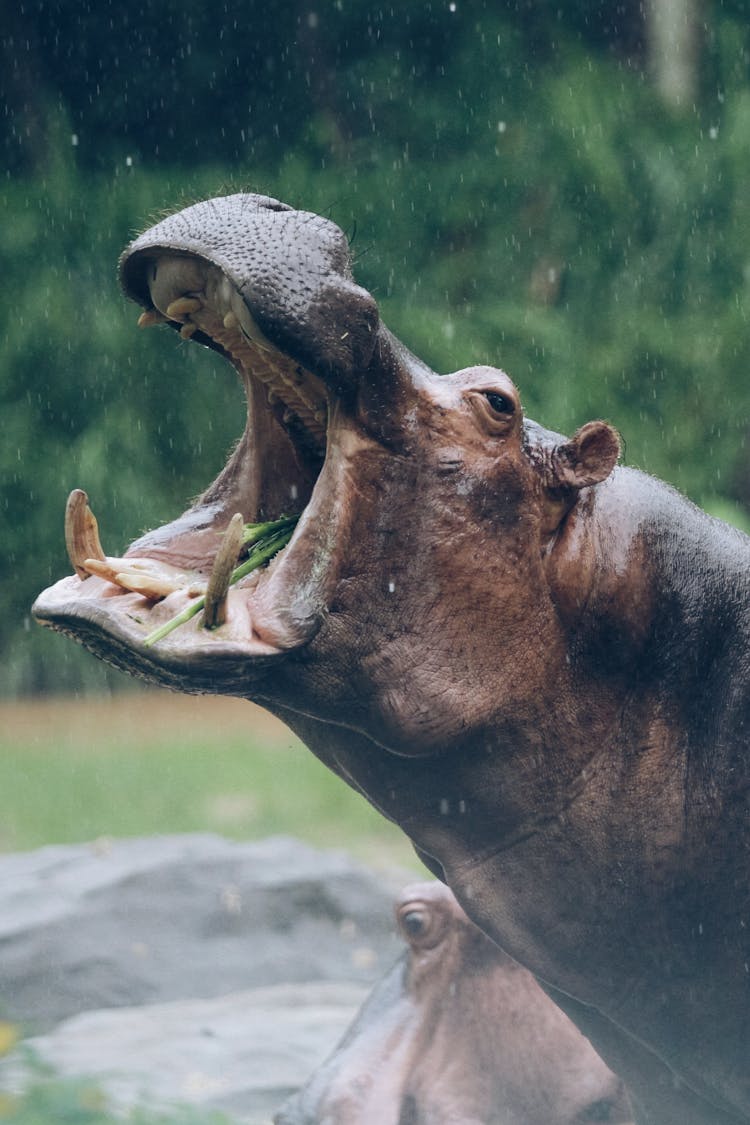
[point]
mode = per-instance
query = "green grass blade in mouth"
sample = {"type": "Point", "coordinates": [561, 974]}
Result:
{"type": "Point", "coordinates": [254, 532]}
{"type": "Point", "coordinates": [265, 541]}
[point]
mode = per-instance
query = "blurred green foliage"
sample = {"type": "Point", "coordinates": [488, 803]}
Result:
{"type": "Point", "coordinates": [515, 192]}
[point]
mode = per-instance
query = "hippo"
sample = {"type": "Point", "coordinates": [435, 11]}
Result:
{"type": "Point", "coordinates": [457, 1033]}
{"type": "Point", "coordinates": [534, 660]}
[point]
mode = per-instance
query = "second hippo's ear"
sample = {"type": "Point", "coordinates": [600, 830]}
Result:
{"type": "Point", "coordinates": [587, 458]}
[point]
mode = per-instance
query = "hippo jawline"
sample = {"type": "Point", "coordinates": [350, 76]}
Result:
{"type": "Point", "coordinates": [272, 473]}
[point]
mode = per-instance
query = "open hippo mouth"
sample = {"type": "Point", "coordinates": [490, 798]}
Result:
{"type": "Point", "coordinates": [271, 289]}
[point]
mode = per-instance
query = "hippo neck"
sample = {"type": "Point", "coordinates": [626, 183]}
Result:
{"type": "Point", "coordinates": [610, 862]}
{"type": "Point", "coordinates": [665, 620]}
{"type": "Point", "coordinates": [502, 784]}
{"type": "Point", "coordinates": [635, 815]}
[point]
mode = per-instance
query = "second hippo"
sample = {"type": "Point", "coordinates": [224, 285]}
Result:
{"type": "Point", "coordinates": [457, 1034]}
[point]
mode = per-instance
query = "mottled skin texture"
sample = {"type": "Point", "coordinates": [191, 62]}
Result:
{"type": "Point", "coordinates": [457, 1034]}
{"type": "Point", "coordinates": [536, 663]}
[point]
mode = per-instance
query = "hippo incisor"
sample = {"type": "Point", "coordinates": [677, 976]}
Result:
{"type": "Point", "coordinates": [536, 662]}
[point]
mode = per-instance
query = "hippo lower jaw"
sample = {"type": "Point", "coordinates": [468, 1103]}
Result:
{"type": "Point", "coordinates": [273, 472]}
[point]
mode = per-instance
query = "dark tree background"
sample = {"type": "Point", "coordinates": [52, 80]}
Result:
{"type": "Point", "coordinates": [561, 190]}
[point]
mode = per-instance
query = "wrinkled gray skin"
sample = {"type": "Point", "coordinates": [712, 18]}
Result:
{"type": "Point", "coordinates": [457, 1034]}
{"type": "Point", "coordinates": [536, 663]}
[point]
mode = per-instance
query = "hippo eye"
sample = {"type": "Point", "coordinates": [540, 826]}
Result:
{"type": "Point", "coordinates": [501, 404]}
{"type": "Point", "coordinates": [421, 926]}
{"type": "Point", "coordinates": [414, 923]}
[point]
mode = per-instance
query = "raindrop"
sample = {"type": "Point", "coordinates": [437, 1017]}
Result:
{"type": "Point", "coordinates": [231, 899]}
{"type": "Point", "coordinates": [391, 586]}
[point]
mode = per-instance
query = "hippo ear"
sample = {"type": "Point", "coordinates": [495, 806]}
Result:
{"type": "Point", "coordinates": [588, 458]}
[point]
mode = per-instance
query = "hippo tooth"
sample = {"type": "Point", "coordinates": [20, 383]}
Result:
{"type": "Point", "coordinates": [188, 330]}
{"type": "Point", "coordinates": [247, 323]}
{"type": "Point", "coordinates": [151, 317]}
{"type": "Point", "coordinates": [81, 533]}
{"type": "Point", "coordinates": [182, 306]}
{"type": "Point", "coordinates": [148, 577]}
{"type": "Point", "coordinates": [219, 290]}
{"type": "Point", "coordinates": [231, 321]}
{"type": "Point", "coordinates": [149, 586]}
{"type": "Point", "coordinates": [173, 283]}
{"type": "Point", "coordinates": [215, 609]}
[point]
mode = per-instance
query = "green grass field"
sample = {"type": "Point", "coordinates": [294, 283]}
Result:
{"type": "Point", "coordinates": [153, 762]}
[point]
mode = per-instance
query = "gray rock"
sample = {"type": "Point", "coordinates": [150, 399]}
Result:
{"type": "Point", "coordinates": [147, 920]}
{"type": "Point", "coordinates": [243, 1054]}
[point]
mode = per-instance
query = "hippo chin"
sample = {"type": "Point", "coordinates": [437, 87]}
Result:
{"type": "Point", "coordinates": [457, 1034]}
{"type": "Point", "coordinates": [535, 662]}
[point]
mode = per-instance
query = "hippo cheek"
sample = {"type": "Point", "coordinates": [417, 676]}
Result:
{"type": "Point", "coordinates": [216, 289]}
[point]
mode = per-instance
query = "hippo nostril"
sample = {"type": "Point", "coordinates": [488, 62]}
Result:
{"type": "Point", "coordinates": [268, 203]}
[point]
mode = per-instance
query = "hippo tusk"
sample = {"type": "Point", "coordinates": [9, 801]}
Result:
{"type": "Point", "coordinates": [151, 317]}
{"type": "Point", "coordinates": [215, 610]}
{"type": "Point", "coordinates": [81, 533]}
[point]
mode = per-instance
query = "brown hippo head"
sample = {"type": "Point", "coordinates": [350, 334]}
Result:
{"type": "Point", "coordinates": [457, 1034]}
{"type": "Point", "coordinates": [427, 504]}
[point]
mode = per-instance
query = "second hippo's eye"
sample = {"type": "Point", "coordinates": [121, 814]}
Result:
{"type": "Point", "coordinates": [414, 923]}
{"type": "Point", "coordinates": [421, 925]}
{"type": "Point", "coordinates": [501, 404]}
